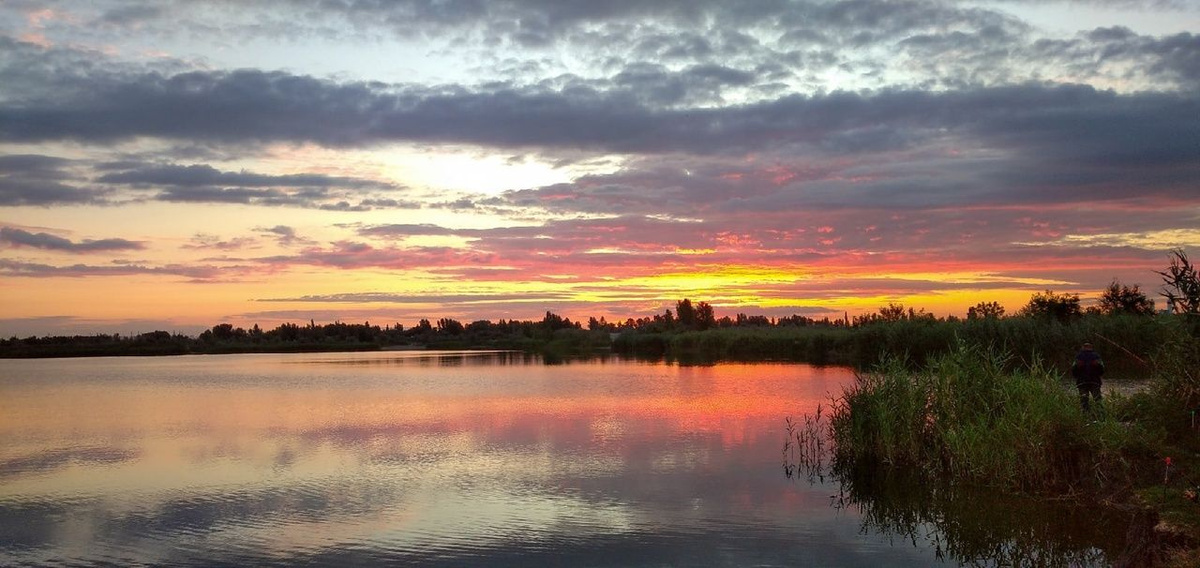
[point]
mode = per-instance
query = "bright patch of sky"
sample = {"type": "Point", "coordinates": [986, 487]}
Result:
{"type": "Point", "coordinates": [359, 60]}
{"type": "Point", "coordinates": [471, 171]}
{"type": "Point", "coordinates": [1067, 18]}
{"type": "Point", "coordinates": [1174, 238]}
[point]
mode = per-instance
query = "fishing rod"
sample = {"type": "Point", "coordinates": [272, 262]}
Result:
{"type": "Point", "coordinates": [1128, 352]}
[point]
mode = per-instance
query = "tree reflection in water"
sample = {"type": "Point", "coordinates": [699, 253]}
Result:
{"type": "Point", "coordinates": [968, 525]}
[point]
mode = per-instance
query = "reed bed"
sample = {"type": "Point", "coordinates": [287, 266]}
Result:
{"type": "Point", "coordinates": [969, 415]}
{"type": "Point", "coordinates": [1127, 342]}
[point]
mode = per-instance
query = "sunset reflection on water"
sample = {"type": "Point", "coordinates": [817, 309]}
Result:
{"type": "Point", "coordinates": [406, 456]}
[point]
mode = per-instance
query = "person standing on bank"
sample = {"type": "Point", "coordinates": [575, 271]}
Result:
{"type": "Point", "coordinates": [1087, 370]}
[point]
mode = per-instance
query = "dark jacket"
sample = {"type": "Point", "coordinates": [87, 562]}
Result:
{"type": "Point", "coordinates": [1088, 368]}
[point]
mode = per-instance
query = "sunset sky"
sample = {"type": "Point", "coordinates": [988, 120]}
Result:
{"type": "Point", "coordinates": [173, 164]}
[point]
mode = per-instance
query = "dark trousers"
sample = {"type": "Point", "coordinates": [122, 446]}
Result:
{"type": "Point", "coordinates": [1086, 389]}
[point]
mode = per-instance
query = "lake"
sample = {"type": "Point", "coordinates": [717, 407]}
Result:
{"type": "Point", "coordinates": [451, 459]}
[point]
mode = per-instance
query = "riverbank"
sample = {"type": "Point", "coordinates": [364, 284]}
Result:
{"type": "Point", "coordinates": [1125, 340]}
{"type": "Point", "coordinates": [971, 418]}
{"type": "Point", "coordinates": [553, 336]}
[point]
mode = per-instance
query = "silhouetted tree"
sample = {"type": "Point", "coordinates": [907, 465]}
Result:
{"type": "Point", "coordinates": [1119, 299]}
{"type": "Point", "coordinates": [600, 324]}
{"type": "Point", "coordinates": [479, 326]}
{"type": "Point", "coordinates": [745, 320]}
{"type": "Point", "coordinates": [665, 321]}
{"type": "Point", "coordinates": [892, 312]}
{"type": "Point", "coordinates": [685, 313]}
{"type": "Point", "coordinates": [449, 326]}
{"type": "Point", "coordinates": [985, 310]}
{"type": "Point", "coordinates": [553, 322]}
{"type": "Point", "coordinates": [705, 318]}
{"type": "Point", "coordinates": [287, 332]}
{"type": "Point", "coordinates": [1051, 305]}
{"type": "Point", "coordinates": [223, 331]}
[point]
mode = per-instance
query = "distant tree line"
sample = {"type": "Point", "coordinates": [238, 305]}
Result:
{"type": "Point", "coordinates": [552, 333]}
{"type": "Point", "coordinates": [1046, 330]}
{"type": "Point", "coordinates": [1047, 327]}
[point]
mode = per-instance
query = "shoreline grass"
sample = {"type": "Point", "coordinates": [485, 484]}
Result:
{"type": "Point", "coordinates": [972, 417]}
{"type": "Point", "coordinates": [1126, 341]}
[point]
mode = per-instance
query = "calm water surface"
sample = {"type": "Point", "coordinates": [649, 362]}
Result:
{"type": "Point", "coordinates": [419, 458]}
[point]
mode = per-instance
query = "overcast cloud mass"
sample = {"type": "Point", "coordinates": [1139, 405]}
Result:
{"type": "Point", "coordinates": [281, 160]}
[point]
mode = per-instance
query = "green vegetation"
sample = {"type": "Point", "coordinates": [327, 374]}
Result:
{"type": "Point", "coordinates": [1182, 284]}
{"type": "Point", "coordinates": [555, 336]}
{"type": "Point", "coordinates": [951, 403]}
{"type": "Point", "coordinates": [1126, 340]}
{"type": "Point", "coordinates": [1047, 330]}
{"type": "Point", "coordinates": [972, 417]}
{"type": "Point", "coordinates": [975, 419]}
{"type": "Point", "coordinates": [981, 416]}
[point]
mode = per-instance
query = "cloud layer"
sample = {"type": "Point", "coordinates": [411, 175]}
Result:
{"type": "Point", "coordinates": [799, 155]}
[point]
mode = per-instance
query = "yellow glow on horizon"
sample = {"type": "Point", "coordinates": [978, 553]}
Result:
{"type": "Point", "coordinates": [719, 276]}
{"type": "Point", "coordinates": [1166, 239]}
{"type": "Point", "coordinates": [710, 285]}
{"type": "Point", "coordinates": [972, 278]}
{"type": "Point", "coordinates": [267, 297]}
{"type": "Point", "coordinates": [679, 251]}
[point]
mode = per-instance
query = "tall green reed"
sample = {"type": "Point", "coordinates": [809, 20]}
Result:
{"type": "Point", "coordinates": [971, 415]}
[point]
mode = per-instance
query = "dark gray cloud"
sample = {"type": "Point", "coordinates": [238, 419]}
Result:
{"type": "Point", "coordinates": [972, 129]}
{"type": "Point", "coordinates": [1114, 54]}
{"type": "Point", "coordinates": [251, 105]}
{"type": "Point", "coordinates": [537, 23]}
{"type": "Point", "coordinates": [400, 230]}
{"type": "Point", "coordinates": [46, 241]}
{"type": "Point", "coordinates": [220, 195]}
{"type": "Point", "coordinates": [14, 268]}
{"type": "Point", "coordinates": [1023, 164]}
{"type": "Point", "coordinates": [18, 192]}
{"type": "Point", "coordinates": [285, 235]}
{"type": "Point", "coordinates": [865, 23]}
{"type": "Point", "coordinates": [31, 179]}
{"type": "Point", "coordinates": [539, 17]}
{"type": "Point", "coordinates": [351, 255]}
{"type": "Point", "coordinates": [132, 14]}
{"type": "Point", "coordinates": [657, 86]}
{"type": "Point", "coordinates": [338, 206]}
{"type": "Point", "coordinates": [201, 175]}
{"type": "Point", "coordinates": [206, 241]}
{"type": "Point", "coordinates": [460, 204]}
{"type": "Point", "coordinates": [642, 107]}
{"type": "Point", "coordinates": [45, 167]}
{"type": "Point", "coordinates": [810, 37]}
{"type": "Point", "coordinates": [384, 203]}
{"type": "Point", "coordinates": [202, 183]}
{"type": "Point", "coordinates": [244, 196]}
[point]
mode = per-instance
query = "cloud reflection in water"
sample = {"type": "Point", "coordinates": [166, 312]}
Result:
{"type": "Point", "coordinates": [437, 460]}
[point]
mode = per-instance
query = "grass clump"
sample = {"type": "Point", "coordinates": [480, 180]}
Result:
{"type": "Point", "coordinates": [974, 418]}
{"type": "Point", "coordinates": [971, 416]}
